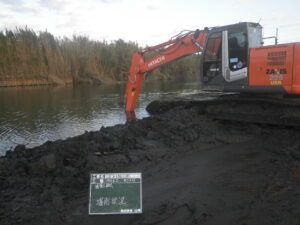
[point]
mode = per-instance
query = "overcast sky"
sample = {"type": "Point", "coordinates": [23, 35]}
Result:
{"type": "Point", "coordinates": [148, 21]}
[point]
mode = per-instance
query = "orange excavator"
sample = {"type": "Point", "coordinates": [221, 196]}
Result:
{"type": "Point", "coordinates": [233, 60]}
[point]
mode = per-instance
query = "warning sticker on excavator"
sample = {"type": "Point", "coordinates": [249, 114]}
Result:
{"type": "Point", "coordinates": [276, 82]}
{"type": "Point", "coordinates": [133, 92]}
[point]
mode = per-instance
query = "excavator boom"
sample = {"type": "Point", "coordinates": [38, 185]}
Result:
{"type": "Point", "coordinates": [177, 47]}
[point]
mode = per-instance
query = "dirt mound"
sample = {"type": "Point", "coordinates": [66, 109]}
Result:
{"type": "Point", "coordinates": [196, 170]}
{"type": "Point", "coordinates": [284, 112]}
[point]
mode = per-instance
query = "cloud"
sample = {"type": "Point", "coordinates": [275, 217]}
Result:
{"type": "Point", "coordinates": [24, 9]}
{"type": "Point", "coordinates": [243, 1]}
{"type": "Point", "coordinates": [4, 15]}
{"type": "Point", "coordinates": [57, 5]}
{"type": "Point", "coordinates": [108, 1]}
{"type": "Point", "coordinates": [61, 5]}
{"type": "Point", "coordinates": [152, 6]}
{"type": "Point", "coordinates": [279, 17]}
{"type": "Point", "coordinates": [12, 2]}
{"type": "Point", "coordinates": [18, 6]}
{"type": "Point", "coordinates": [69, 21]}
{"type": "Point", "coordinates": [11, 25]}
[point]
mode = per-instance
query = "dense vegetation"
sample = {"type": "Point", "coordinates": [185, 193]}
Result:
{"type": "Point", "coordinates": [25, 53]}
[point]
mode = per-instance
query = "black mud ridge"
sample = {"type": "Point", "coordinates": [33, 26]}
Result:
{"type": "Point", "coordinates": [197, 169]}
{"type": "Point", "coordinates": [283, 112]}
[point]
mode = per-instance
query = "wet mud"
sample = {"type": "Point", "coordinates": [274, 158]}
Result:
{"type": "Point", "coordinates": [197, 169]}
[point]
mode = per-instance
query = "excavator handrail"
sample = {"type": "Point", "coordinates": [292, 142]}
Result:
{"type": "Point", "coordinates": [171, 41]}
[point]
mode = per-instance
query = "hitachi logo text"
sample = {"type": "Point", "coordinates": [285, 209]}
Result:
{"type": "Point", "coordinates": [158, 60]}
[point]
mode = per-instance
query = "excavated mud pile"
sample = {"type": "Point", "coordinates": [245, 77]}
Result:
{"type": "Point", "coordinates": [197, 169]}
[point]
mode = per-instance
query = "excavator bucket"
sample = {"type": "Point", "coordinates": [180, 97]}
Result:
{"type": "Point", "coordinates": [130, 116]}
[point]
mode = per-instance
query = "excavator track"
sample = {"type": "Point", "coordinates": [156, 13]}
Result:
{"type": "Point", "coordinates": [236, 107]}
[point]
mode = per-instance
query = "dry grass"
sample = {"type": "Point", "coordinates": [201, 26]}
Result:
{"type": "Point", "coordinates": [26, 54]}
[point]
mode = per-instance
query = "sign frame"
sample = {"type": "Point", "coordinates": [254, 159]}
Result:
{"type": "Point", "coordinates": [116, 213]}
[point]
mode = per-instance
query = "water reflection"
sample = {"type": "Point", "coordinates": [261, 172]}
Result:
{"type": "Point", "coordinates": [33, 115]}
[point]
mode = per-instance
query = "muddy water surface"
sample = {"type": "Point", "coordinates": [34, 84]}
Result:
{"type": "Point", "coordinates": [34, 115]}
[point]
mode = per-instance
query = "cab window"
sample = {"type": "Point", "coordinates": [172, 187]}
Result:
{"type": "Point", "coordinates": [237, 49]}
{"type": "Point", "coordinates": [212, 65]}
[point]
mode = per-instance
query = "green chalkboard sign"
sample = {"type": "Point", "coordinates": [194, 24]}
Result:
{"type": "Point", "coordinates": [115, 193]}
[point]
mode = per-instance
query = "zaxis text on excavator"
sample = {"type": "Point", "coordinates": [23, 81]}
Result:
{"type": "Point", "coordinates": [233, 60]}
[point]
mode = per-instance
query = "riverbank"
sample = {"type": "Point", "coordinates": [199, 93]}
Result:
{"type": "Point", "coordinates": [196, 170]}
{"type": "Point", "coordinates": [55, 80]}
{"type": "Point", "coordinates": [38, 81]}
{"type": "Point", "coordinates": [52, 80]}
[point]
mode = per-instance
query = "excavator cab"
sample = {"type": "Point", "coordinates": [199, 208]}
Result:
{"type": "Point", "coordinates": [226, 56]}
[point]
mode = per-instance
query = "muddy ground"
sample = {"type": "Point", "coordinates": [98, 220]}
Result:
{"type": "Point", "coordinates": [197, 169]}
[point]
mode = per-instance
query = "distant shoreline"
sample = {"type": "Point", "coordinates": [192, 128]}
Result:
{"type": "Point", "coordinates": [15, 82]}
{"type": "Point", "coordinates": [54, 80]}
{"type": "Point", "coordinates": [51, 80]}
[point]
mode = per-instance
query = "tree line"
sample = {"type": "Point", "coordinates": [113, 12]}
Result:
{"type": "Point", "coordinates": [26, 54]}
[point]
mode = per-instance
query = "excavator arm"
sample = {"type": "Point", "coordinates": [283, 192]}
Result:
{"type": "Point", "coordinates": [179, 46]}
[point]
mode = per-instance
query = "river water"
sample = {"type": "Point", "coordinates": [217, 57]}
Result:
{"type": "Point", "coordinates": [34, 115]}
